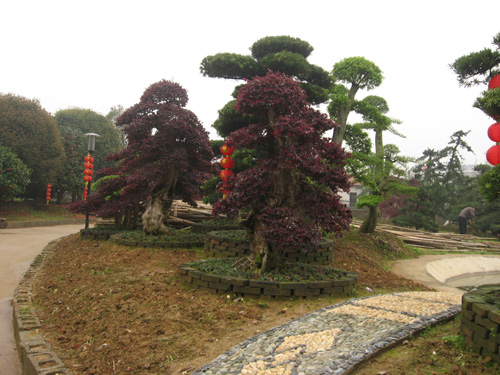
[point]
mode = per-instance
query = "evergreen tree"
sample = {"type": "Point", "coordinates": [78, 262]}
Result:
{"type": "Point", "coordinates": [32, 135]}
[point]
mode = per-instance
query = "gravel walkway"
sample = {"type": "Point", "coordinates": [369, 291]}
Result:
{"type": "Point", "coordinates": [335, 339]}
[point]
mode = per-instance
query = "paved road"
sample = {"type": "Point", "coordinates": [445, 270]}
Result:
{"type": "Point", "coordinates": [18, 247]}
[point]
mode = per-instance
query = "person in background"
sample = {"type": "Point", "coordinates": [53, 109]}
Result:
{"type": "Point", "coordinates": [466, 215]}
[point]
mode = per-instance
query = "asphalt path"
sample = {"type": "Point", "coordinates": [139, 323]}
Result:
{"type": "Point", "coordinates": [18, 248]}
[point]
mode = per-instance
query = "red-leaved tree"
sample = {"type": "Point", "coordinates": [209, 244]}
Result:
{"type": "Point", "coordinates": [167, 157]}
{"type": "Point", "coordinates": [292, 192]}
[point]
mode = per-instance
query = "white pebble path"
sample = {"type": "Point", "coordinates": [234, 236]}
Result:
{"type": "Point", "coordinates": [335, 339]}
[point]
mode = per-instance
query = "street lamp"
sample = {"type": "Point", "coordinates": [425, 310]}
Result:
{"type": "Point", "coordinates": [90, 148]}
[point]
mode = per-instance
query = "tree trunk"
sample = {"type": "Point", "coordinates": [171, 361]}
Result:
{"type": "Point", "coordinates": [158, 205]}
{"type": "Point", "coordinates": [370, 222]}
{"type": "Point", "coordinates": [339, 132]}
{"type": "Point", "coordinates": [262, 254]}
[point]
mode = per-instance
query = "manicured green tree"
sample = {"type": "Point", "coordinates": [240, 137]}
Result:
{"type": "Point", "coordinates": [350, 75]}
{"type": "Point", "coordinates": [32, 135]}
{"type": "Point", "coordinates": [291, 194]}
{"type": "Point", "coordinates": [14, 175]}
{"type": "Point", "coordinates": [285, 54]}
{"type": "Point", "coordinates": [479, 68]}
{"type": "Point", "coordinates": [379, 172]}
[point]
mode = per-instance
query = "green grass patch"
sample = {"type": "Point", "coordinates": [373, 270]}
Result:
{"type": "Point", "coordinates": [244, 268]}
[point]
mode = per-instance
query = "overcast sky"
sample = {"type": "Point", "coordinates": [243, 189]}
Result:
{"type": "Point", "coordinates": [98, 54]}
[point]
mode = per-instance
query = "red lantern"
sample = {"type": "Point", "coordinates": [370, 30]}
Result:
{"type": "Point", "coordinates": [88, 165]}
{"type": "Point", "coordinates": [227, 162]}
{"type": "Point", "coordinates": [224, 174]}
{"type": "Point", "coordinates": [227, 151]}
{"type": "Point", "coordinates": [47, 194]}
{"type": "Point", "coordinates": [493, 155]}
{"type": "Point", "coordinates": [494, 82]}
{"type": "Point", "coordinates": [494, 132]}
{"type": "Point", "coordinates": [88, 171]}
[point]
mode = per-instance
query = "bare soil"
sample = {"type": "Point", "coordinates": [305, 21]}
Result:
{"type": "Point", "coordinates": [112, 309]}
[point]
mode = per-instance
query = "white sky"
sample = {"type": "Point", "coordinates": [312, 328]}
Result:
{"type": "Point", "coordinates": [98, 54]}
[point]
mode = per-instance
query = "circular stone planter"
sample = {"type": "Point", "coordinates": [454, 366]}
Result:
{"type": "Point", "coordinates": [266, 289]}
{"type": "Point", "coordinates": [218, 246]}
{"type": "Point", "coordinates": [480, 323]}
{"type": "Point", "coordinates": [157, 244]}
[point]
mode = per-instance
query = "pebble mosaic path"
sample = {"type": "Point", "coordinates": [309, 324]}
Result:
{"type": "Point", "coordinates": [335, 339]}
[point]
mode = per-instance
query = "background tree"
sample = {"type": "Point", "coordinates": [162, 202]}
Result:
{"type": "Point", "coordinates": [70, 177]}
{"type": "Point", "coordinates": [357, 73]}
{"type": "Point", "coordinates": [113, 114]}
{"type": "Point", "coordinates": [168, 153]}
{"type": "Point", "coordinates": [285, 54]}
{"type": "Point", "coordinates": [32, 135]}
{"type": "Point", "coordinates": [379, 172]}
{"type": "Point", "coordinates": [292, 191]}
{"type": "Point", "coordinates": [73, 123]}
{"type": "Point", "coordinates": [14, 175]}
{"type": "Point", "coordinates": [441, 174]}
{"type": "Point", "coordinates": [87, 121]}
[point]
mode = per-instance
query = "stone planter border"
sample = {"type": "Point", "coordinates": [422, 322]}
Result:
{"type": "Point", "coordinates": [218, 246]}
{"type": "Point", "coordinates": [480, 324]}
{"type": "Point", "coordinates": [266, 289]}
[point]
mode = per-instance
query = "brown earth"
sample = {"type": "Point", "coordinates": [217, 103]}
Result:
{"type": "Point", "coordinates": [110, 309]}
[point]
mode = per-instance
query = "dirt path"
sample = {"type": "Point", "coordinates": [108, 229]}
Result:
{"type": "Point", "coordinates": [18, 247]}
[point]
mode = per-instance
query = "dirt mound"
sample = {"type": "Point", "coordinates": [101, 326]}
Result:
{"type": "Point", "coordinates": [113, 309]}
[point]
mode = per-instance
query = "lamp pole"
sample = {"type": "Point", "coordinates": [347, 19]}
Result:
{"type": "Point", "coordinates": [90, 148]}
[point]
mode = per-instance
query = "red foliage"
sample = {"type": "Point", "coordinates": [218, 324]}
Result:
{"type": "Point", "coordinates": [292, 191]}
{"type": "Point", "coordinates": [164, 140]}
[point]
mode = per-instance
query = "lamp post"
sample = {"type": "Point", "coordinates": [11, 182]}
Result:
{"type": "Point", "coordinates": [90, 148]}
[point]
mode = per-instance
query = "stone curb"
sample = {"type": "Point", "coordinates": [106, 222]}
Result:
{"type": "Point", "coordinates": [48, 223]}
{"type": "Point", "coordinates": [35, 354]}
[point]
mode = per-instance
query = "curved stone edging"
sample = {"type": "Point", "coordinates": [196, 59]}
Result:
{"type": "Point", "coordinates": [267, 289]}
{"type": "Point", "coordinates": [222, 247]}
{"type": "Point", "coordinates": [35, 354]}
{"type": "Point", "coordinates": [47, 223]}
{"type": "Point", "coordinates": [480, 324]}
{"type": "Point", "coordinates": [156, 244]}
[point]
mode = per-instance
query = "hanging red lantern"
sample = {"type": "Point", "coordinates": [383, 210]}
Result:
{"type": "Point", "coordinates": [48, 193]}
{"type": "Point", "coordinates": [494, 82]}
{"type": "Point", "coordinates": [225, 173]}
{"type": "Point", "coordinates": [227, 162]}
{"type": "Point", "coordinates": [87, 173]}
{"type": "Point", "coordinates": [494, 132]}
{"type": "Point", "coordinates": [227, 151]}
{"type": "Point", "coordinates": [493, 155]}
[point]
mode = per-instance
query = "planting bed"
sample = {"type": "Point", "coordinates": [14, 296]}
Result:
{"type": "Point", "coordinates": [265, 288]}
{"type": "Point", "coordinates": [231, 244]}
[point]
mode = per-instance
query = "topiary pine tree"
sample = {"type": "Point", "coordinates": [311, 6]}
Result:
{"type": "Point", "coordinates": [292, 192]}
{"type": "Point", "coordinates": [282, 53]}
{"type": "Point", "coordinates": [168, 153]}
